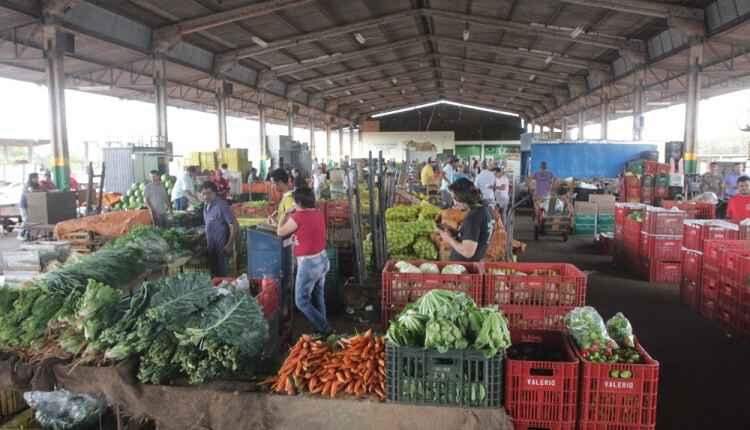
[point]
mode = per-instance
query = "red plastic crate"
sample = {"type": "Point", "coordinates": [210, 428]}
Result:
{"type": "Point", "coordinates": [726, 316]}
{"type": "Point", "coordinates": [523, 317]}
{"type": "Point", "coordinates": [663, 247]}
{"type": "Point", "coordinates": [542, 392]}
{"type": "Point", "coordinates": [664, 272]}
{"type": "Point", "coordinates": [692, 264]}
{"type": "Point", "coordinates": [649, 167]}
{"type": "Point", "coordinates": [618, 404]}
{"type": "Point", "coordinates": [712, 250]}
{"type": "Point", "coordinates": [567, 287]}
{"type": "Point", "coordinates": [644, 245]}
{"type": "Point", "coordinates": [697, 210]}
{"type": "Point", "coordinates": [632, 181]}
{"type": "Point", "coordinates": [662, 221]}
{"type": "Point", "coordinates": [661, 192]}
{"type": "Point", "coordinates": [338, 210]}
{"type": "Point", "coordinates": [692, 234]}
{"type": "Point", "coordinates": [690, 293]}
{"type": "Point", "coordinates": [735, 266]}
{"type": "Point", "coordinates": [696, 232]}
{"type": "Point", "coordinates": [533, 425]}
{"type": "Point", "coordinates": [400, 289]}
{"type": "Point", "coordinates": [744, 232]}
{"type": "Point", "coordinates": [663, 169]}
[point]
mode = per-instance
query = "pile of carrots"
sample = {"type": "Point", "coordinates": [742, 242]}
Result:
{"type": "Point", "coordinates": [354, 366]}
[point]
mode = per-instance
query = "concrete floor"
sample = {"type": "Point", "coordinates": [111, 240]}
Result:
{"type": "Point", "coordinates": [704, 375]}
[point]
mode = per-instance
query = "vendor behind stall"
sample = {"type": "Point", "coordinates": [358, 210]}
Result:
{"type": "Point", "coordinates": [308, 224]}
{"type": "Point", "coordinates": [221, 229]}
{"type": "Point", "coordinates": [184, 189]}
{"type": "Point", "coordinates": [47, 184]}
{"type": "Point", "coordinates": [280, 183]}
{"type": "Point", "coordinates": [738, 208]}
{"type": "Point", "coordinates": [476, 230]}
{"type": "Point", "coordinates": [31, 186]}
{"type": "Point", "coordinates": [156, 198]}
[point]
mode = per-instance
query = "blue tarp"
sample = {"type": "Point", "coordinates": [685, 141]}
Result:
{"type": "Point", "coordinates": [586, 160]}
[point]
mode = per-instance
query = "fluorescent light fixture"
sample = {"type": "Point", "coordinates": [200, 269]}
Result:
{"type": "Point", "coordinates": [260, 42]}
{"type": "Point", "coordinates": [348, 93]}
{"type": "Point", "coordinates": [548, 59]}
{"type": "Point", "coordinates": [461, 78]}
{"type": "Point", "coordinates": [466, 34]}
{"type": "Point", "coordinates": [659, 103]}
{"type": "Point", "coordinates": [394, 81]}
{"type": "Point", "coordinates": [329, 82]}
{"type": "Point", "coordinates": [93, 88]}
{"type": "Point", "coordinates": [576, 32]}
{"type": "Point", "coordinates": [361, 101]}
{"type": "Point", "coordinates": [313, 60]}
{"type": "Point", "coordinates": [359, 38]}
{"type": "Point", "coordinates": [403, 91]}
{"type": "Point", "coordinates": [447, 102]}
{"type": "Point", "coordinates": [532, 77]}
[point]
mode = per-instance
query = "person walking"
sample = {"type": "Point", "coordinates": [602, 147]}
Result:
{"type": "Point", "coordinates": [485, 182]}
{"type": "Point", "coordinates": [221, 229]}
{"type": "Point", "coordinates": [738, 208]}
{"type": "Point", "coordinates": [502, 189]}
{"type": "Point", "coordinates": [308, 225]}
{"type": "Point", "coordinates": [427, 175]}
{"type": "Point", "coordinates": [449, 175]}
{"type": "Point", "coordinates": [731, 180]}
{"type": "Point", "coordinates": [712, 181]}
{"type": "Point", "coordinates": [157, 200]}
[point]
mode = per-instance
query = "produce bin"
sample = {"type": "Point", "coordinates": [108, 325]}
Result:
{"type": "Point", "coordinates": [664, 247]}
{"type": "Point", "coordinates": [662, 221]}
{"type": "Point", "coordinates": [713, 250]}
{"type": "Point", "coordinates": [530, 317]}
{"type": "Point", "coordinates": [400, 289]}
{"type": "Point", "coordinates": [542, 394]}
{"type": "Point", "coordinates": [616, 403]}
{"type": "Point", "coordinates": [696, 232]}
{"type": "Point", "coordinates": [539, 284]}
{"type": "Point", "coordinates": [462, 378]}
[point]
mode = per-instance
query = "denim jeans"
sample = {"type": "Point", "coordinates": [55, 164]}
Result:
{"type": "Point", "coordinates": [309, 290]}
{"type": "Point", "coordinates": [180, 204]}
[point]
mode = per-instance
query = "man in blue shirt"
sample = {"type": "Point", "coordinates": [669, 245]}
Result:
{"type": "Point", "coordinates": [221, 229]}
{"type": "Point", "coordinates": [730, 180]}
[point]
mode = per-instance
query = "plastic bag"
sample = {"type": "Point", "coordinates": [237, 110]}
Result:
{"type": "Point", "coordinates": [588, 329]}
{"type": "Point", "coordinates": [63, 410]}
{"type": "Point", "coordinates": [620, 330]}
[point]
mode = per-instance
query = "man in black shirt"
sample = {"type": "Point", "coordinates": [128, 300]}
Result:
{"type": "Point", "coordinates": [476, 230]}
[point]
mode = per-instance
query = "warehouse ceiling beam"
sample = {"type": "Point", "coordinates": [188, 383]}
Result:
{"type": "Point", "coordinates": [544, 56]}
{"type": "Point", "coordinates": [311, 37]}
{"type": "Point", "coordinates": [655, 9]}
{"type": "Point", "coordinates": [324, 60]}
{"type": "Point", "coordinates": [600, 40]}
{"type": "Point", "coordinates": [171, 34]}
{"type": "Point", "coordinates": [420, 58]}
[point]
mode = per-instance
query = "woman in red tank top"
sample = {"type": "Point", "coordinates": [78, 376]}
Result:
{"type": "Point", "coordinates": [308, 225]}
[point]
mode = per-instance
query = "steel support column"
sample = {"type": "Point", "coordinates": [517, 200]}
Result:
{"type": "Point", "coordinates": [564, 128]}
{"type": "Point", "coordinates": [691, 109]}
{"type": "Point", "coordinates": [604, 134]}
{"type": "Point", "coordinates": [160, 90]}
{"type": "Point", "coordinates": [328, 142]}
{"type": "Point", "coordinates": [581, 124]}
{"type": "Point", "coordinates": [638, 120]}
{"type": "Point", "coordinates": [351, 140]}
{"type": "Point", "coordinates": [312, 139]}
{"type": "Point", "coordinates": [221, 112]}
{"type": "Point", "coordinates": [341, 143]}
{"type": "Point", "coordinates": [54, 41]}
{"type": "Point", "coordinates": [290, 121]}
{"type": "Point", "coordinates": [262, 126]}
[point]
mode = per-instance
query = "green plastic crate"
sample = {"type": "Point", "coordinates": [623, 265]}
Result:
{"type": "Point", "coordinates": [585, 219]}
{"type": "Point", "coordinates": [463, 378]}
{"type": "Point", "coordinates": [585, 229]}
{"type": "Point", "coordinates": [606, 219]}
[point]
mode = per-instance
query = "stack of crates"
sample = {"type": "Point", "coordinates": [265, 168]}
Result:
{"type": "Point", "coordinates": [645, 181]}
{"type": "Point", "coordinates": [622, 211]}
{"type": "Point", "coordinates": [719, 291]}
{"type": "Point", "coordinates": [733, 311]}
{"type": "Point", "coordinates": [695, 235]}
{"type": "Point", "coordinates": [235, 159]}
{"type": "Point", "coordinates": [661, 245]}
{"type": "Point", "coordinates": [632, 191]}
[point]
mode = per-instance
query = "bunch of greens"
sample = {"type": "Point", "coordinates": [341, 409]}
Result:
{"type": "Point", "coordinates": [447, 320]}
{"type": "Point", "coordinates": [24, 314]}
{"type": "Point", "coordinates": [621, 331]}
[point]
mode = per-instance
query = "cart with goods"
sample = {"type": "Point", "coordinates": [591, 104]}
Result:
{"type": "Point", "coordinates": [553, 216]}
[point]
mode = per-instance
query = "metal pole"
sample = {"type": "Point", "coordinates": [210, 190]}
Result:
{"type": "Point", "coordinates": [53, 52]}
{"type": "Point", "coordinates": [290, 121]}
{"type": "Point", "coordinates": [221, 113]}
{"type": "Point", "coordinates": [693, 100]}
{"type": "Point", "coordinates": [312, 139]}
{"type": "Point", "coordinates": [581, 124]}
{"type": "Point", "coordinates": [605, 116]}
{"type": "Point", "coordinates": [341, 143]}
{"type": "Point", "coordinates": [328, 141]}
{"type": "Point", "coordinates": [564, 128]}
{"type": "Point", "coordinates": [160, 89]}
{"type": "Point", "coordinates": [262, 125]}
{"type": "Point", "coordinates": [638, 111]}
{"type": "Point", "coordinates": [351, 141]}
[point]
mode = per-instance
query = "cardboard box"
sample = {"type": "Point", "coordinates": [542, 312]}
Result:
{"type": "Point", "coordinates": [586, 208]}
{"type": "Point", "coordinates": [602, 199]}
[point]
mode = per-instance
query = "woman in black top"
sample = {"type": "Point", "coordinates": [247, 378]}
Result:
{"type": "Point", "coordinates": [474, 235]}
